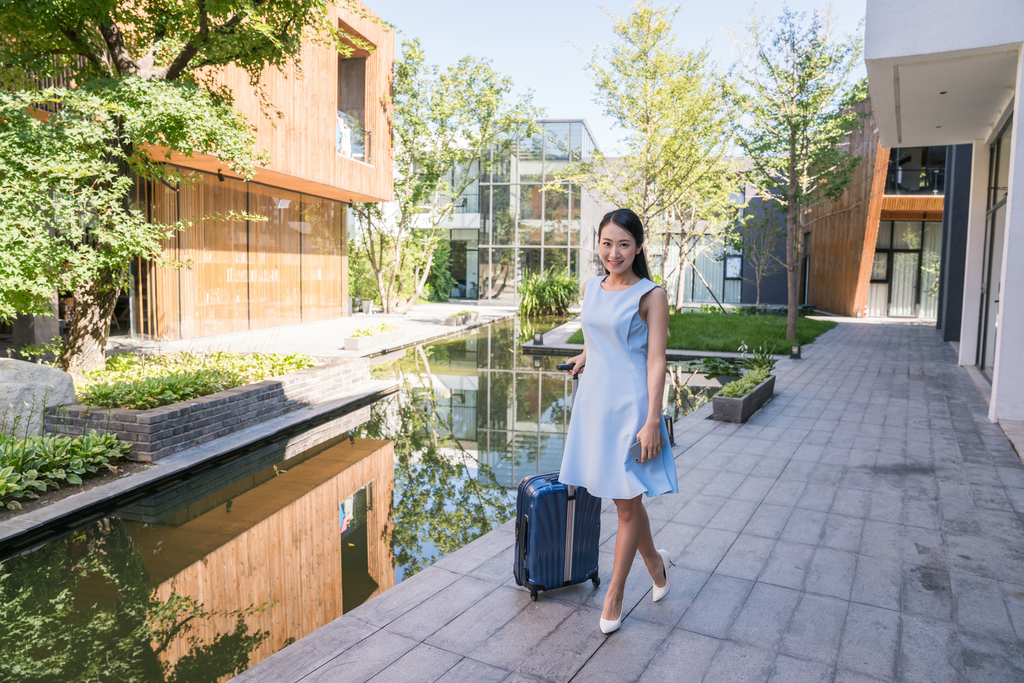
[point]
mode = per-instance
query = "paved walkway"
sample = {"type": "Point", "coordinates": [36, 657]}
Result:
{"type": "Point", "coordinates": [864, 526]}
{"type": "Point", "coordinates": [324, 339]}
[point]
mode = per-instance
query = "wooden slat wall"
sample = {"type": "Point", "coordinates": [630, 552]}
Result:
{"type": "Point", "coordinates": [912, 207]}
{"type": "Point", "coordinates": [302, 143]}
{"type": "Point", "coordinates": [279, 544]}
{"type": "Point", "coordinates": [274, 257]}
{"type": "Point", "coordinates": [322, 273]}
{"type": "Point", "coordinates": [214, 283]}
{"type": "Point", "coordinates": [238, 274]}
{"type": "Point", "coordinates": [843, 233]}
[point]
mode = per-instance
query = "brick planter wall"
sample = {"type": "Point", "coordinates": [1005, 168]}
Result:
{"type": "Point", "coordinates": [159, 432]}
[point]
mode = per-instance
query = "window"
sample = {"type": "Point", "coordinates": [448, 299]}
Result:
{"type": "Point", "coordinates": [733, 267]}
{"type": "Point", "coordinates": [353, 138]}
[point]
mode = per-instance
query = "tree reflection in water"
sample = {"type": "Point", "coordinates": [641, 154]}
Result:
{"type": "Point", "coordinates": [444, 497]}
{"type": "Point", "coordinates": [82, 609]}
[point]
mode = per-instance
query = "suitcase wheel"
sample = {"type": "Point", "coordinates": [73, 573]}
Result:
{"type": "Point", "coordinates": [533, 595]}
{"type": "Point", "coordinates": [596, 580]}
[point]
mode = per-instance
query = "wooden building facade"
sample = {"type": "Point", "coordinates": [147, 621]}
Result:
{"type": "Point", "coordinates": [273, 250]}
{"type": "Point", "coordinates": [875, 251]}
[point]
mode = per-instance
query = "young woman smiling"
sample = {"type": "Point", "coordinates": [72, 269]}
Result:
{"type": "Point", "coordinates": [625, 331]}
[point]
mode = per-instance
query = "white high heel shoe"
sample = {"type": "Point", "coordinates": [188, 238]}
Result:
{"type": "Point", "coordinates": [609, 626]}
{"type": "Point", "coordinates": [659, 593]}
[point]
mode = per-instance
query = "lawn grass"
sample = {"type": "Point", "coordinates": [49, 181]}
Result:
{"type": "Point", "coordinates": [717, 332]}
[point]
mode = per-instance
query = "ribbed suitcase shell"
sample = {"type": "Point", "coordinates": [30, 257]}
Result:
{"type": "Point", "coordinates": [541, 509]}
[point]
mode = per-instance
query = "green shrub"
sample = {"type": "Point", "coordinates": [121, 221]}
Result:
{"type": "Point", "coordinates": [461, 313]}
{"type": "Point", "coordinates": [548, 293]}
{"type": "Point", "coordinates": [31, 465]}
{"type": "Point", "coordinates": [370, 331]}
{"type": "Point", "coordinates": [140, 382]}
{"type": "Point", "coordinates": [744, 385]}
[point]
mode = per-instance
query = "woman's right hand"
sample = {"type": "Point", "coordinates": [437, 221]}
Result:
{"type": "Point", "coordinates": [577, 363]}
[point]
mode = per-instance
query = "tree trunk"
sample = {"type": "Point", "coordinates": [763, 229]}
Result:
{"type": "Point", "coordinates": [88, 327]}
{"type": "Point", "coordinates": [792, 270]}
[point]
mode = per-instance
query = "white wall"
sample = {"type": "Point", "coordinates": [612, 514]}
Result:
{"type": "Point", "coordinates": [1008, 381]}
{"type": "Point", "coordinates": [898, 28]}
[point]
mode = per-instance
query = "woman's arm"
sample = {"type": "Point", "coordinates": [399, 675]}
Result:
{"type": "Point", "coordinates": [580, 360]}
{"type": "Point", "coordinates": [654, 309]}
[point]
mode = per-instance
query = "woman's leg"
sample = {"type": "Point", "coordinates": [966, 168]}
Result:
{"type": "Point", "coordinates": [634, 534]}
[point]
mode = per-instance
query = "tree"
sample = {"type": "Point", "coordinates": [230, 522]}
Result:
{"type": "Point", "coordinates": [137, 77]}
{"type": "Point", "coordinates": [759, 240]}
{"type": "Point", "coordinates": [796, 92]}
{"type": "Point", "coordinates": [443, 119]}
{"type": "Point", "coordinates": [678, 121]}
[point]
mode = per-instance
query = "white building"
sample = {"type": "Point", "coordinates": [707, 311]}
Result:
{"type": "Point", "coordinates": [947, 72]}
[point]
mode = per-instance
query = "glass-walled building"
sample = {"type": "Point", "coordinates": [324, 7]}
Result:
{"type": "Point", "coordinates": [507, 224]}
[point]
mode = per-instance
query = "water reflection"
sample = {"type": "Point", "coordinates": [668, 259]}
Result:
{"type": "Point", "coordinates": [508, 412]}
{"type": "Point", "coordinates": [208, 577]}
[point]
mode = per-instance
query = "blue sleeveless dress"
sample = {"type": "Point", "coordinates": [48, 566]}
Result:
{"type": "Point", "coordinates": [611, 402]}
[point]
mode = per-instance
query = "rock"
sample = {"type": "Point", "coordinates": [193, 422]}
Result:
{"type": "Point", "coordinates": [26, 389]}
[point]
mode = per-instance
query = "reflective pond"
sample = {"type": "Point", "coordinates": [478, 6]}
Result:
{"type": "Point", "coordinates": [206, 578]}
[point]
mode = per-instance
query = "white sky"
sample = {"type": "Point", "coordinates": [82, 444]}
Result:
{"type": "Point", "coordinates": [529, 40]}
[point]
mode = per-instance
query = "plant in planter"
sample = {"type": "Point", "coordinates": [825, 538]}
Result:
{"type": "Point", "coordinates": [461, 318]}
{"type": "Point", "coordinates": [377, 335]}
{"type": "Point", "coordinates": [740, 399]}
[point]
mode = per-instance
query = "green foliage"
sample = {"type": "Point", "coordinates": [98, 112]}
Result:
{"type": "Point", "coordinates": [140, 77]}
{"type": "Point", "coordinates": [461, 313]}
{"type": "Point", "coordinates": [761, 359]}
{"type": "Point", "coordinates": [141, 382]}
{"type": "Point", "coordinates": [676, 112]}
{"type": "Point", "coordinates": [797, 91]}
{"type": "Point", "coordinates": [81, 609]}
{"type": "Point", "coordinates": [744, 385]}
{"type": "Point", "coordinates": [702, 332]}
{"type": "Point", "coordinates": [549, 293]}
{"type": "Point", "coordinates": [440, 282]}
{"type": "Point", "coordinates": [443, 118]}
{"type": "Point", "coordinates": [31, 465]}
{"type": "Point", "coordinates": [379, 329]}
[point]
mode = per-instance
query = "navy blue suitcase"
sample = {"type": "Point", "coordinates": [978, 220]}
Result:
{"type": "Point", "coordinates": [558, 529]}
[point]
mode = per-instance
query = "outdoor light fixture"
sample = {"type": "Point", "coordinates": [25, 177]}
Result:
{"type": "Point", "coordinates": [538, 339]}
{"type": "Point", "coordinates": [794, 351]}
{"type": "Point", "coordinates": [537, 362]}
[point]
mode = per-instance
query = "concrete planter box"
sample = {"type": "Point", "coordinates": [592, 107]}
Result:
{"type": "Point", "coordinates": [382, 339]}
{"type": "Point", "coordinates": [728, 409]}
{"type": "Point", "coordinates": [462, 319]}
{"type": "Point", "coordinates": [159, 432]}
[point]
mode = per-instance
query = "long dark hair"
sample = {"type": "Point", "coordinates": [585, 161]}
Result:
{"type": "Point", "coordinates": [630, 222]}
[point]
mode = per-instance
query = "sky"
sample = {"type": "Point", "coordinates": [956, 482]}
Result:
{"type": "Point", "coordinates": [529, 40]}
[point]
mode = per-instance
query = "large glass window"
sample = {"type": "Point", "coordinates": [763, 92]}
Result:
{"type": "Point", "coordinates": [352, 138]}
{"type": "Point", "coordinates": [530, 210]}
{"type": "Point", "coordinates": [916, 170]}
{"type": "Point", "coordinates": [999, 173]}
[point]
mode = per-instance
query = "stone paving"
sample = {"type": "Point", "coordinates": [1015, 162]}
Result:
{"type": "Point", "coordinates": [864, 526]}
{"type": "Point", "coordinates": [324, 338]}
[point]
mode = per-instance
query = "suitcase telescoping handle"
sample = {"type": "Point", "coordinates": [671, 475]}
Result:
{"type": "Point", "coordinates": [575, 378]}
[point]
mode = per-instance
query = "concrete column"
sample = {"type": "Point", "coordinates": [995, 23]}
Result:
{"type": "Point", "coordinates": [1008, 373]}
{"type": "Point", "coordinates": [975, 258]}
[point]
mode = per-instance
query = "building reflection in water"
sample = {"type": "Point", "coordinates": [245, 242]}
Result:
{"type": "Point", "coordinates": [306, 538]}
{"type": "Point", "coordinates": [510, 411]}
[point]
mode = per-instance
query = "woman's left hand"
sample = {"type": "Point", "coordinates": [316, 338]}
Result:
{"type": "Point", "coordinates": [650, 440]}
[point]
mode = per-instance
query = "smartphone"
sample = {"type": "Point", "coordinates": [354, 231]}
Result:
{"type": "Point", "coordinates": [636, 450]}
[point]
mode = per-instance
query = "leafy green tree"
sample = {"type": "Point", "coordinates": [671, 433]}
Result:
{"type": "Point", "coordinates": [678, 122]}
{"type": "Point", "coordinates": [796, 83]}
{"type": "Point", "coordinates": [82, 609]}
{"type": "Point", "coordinates": [442, 119]}
{"type": "Point", "coordinates": [135, 78]}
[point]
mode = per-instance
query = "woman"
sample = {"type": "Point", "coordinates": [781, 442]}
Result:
{"type": "Point", "coordinates": [625, 330]}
